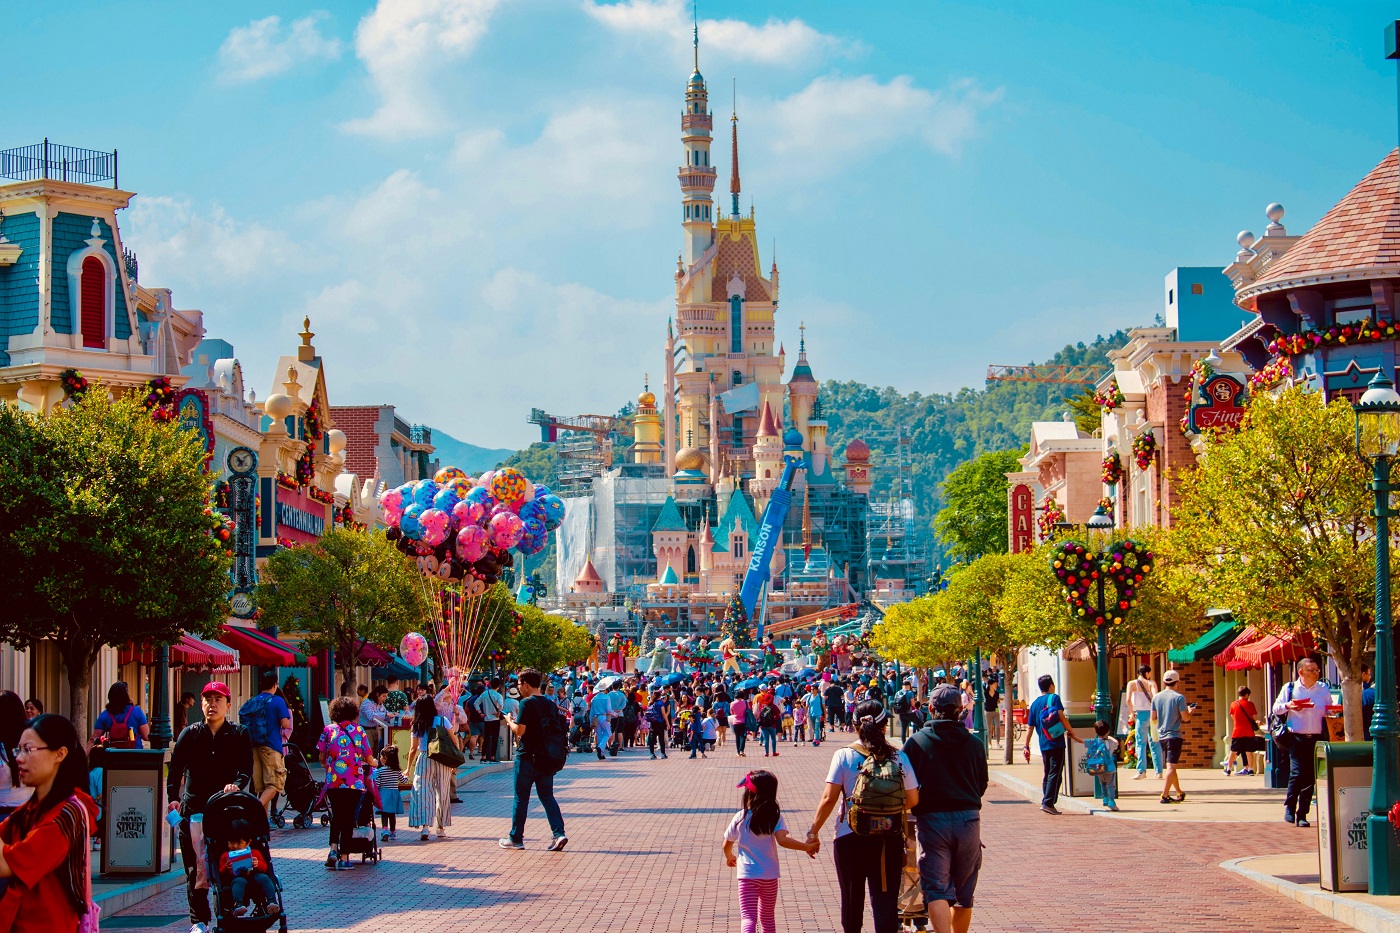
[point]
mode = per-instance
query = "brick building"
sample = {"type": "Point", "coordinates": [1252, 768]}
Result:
{"type": "Point", "coordinates": [382, 446]}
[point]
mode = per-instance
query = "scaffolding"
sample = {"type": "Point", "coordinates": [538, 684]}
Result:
{"type": "Point", "coordinates": [893, 549]}
{"type": "Point", "coordinates": [584, 444]}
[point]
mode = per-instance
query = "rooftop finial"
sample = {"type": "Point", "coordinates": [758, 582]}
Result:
{"type": "Point", "coordinates": [734, 186]}
{"type": "Point", "coordinates": [802, 338]}
{"type": "Point", "coordinates": [695, 19]}
{"type": "Point", "coordinates": [646, 382]}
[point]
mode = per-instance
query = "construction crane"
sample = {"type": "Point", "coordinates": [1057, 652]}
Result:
{"type": "Point", "coordinates": [584, 442]}
{"type": "Point", "coordinates": [1060, 375]}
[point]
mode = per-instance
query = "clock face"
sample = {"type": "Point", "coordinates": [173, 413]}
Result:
{"type": "Point", "coordinates": [242, 604]}
{"type": "Point", "coordinates": [241, 460]}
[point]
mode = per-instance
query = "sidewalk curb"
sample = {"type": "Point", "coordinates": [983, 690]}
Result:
{"type": "Point", "coordinates": [480, 770]}
{"type": "Point", "coordinates": [129, 895]}
{"type": "Point", "coordinates": [1356, 915]}
{"type": "Point", "coordinates": [1034, 793]}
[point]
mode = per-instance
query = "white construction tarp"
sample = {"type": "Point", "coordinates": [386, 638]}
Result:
{"type": "Point", "coordinates": [740, 398]}
{"type": "Point", "coordinates": [571, 542]}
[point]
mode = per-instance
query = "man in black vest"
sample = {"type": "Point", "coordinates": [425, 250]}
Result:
{"type": "Point", "coordinates": [951, 765]}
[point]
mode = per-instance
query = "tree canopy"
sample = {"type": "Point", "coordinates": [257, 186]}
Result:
{"type": "Point", "coordinates": [106, 532]}
{"type": "Point", "coordinates": [974, 517]}
{"type": "Point", "coordinates": [1275, 525]}
{"type": "Point", "coordinates": [347, 589]}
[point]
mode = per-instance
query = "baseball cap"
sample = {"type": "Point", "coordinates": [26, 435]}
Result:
{"type": "Point", "coordinates": [945, 695]}
{"type": "Point", "coordinates": [219, 687]}
{"type": "Point", "coordinates": [1170, 677]}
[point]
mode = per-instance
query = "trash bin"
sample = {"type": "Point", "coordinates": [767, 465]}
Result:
{"type": "Point", "coordinates": [1343, 804]}
{"type": "Point", "coordinates": [135, 836]}
{"type": "Point", "coordinates": [1079, 782]}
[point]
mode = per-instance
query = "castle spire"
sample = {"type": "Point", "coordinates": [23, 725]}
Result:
{"type": "Point", "coordinates": [734, 186]}
{"type": "Point", "coordinates": [695, 20]}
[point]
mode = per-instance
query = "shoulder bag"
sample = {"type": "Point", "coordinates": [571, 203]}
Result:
{"type": "Point", "coordinates": [1278, 722]}
{"type": "Point", "coordinates": [443, 750]}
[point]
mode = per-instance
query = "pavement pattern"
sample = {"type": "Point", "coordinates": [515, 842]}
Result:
{"type": "Point", "coordinates": [644, 855]}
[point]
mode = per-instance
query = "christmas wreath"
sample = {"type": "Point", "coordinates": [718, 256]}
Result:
{"type": "Point", "coordinates": [1144, 446]}
{"type": "Point", "coordinates": [74, 385]}
{"type": "Point", "coordinates": [1112, 469]}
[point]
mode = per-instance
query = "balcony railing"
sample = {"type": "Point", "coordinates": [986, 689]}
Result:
{"type": "Point", "coordinates": [61, 163]}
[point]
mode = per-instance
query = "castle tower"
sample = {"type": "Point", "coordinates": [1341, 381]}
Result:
{"type": "Point", "coordinates": [646, 429]}
{"type": "Point", "coordinates": [668, 402]}
{"type": "Point", "coordinates": [768, 459]}
{"type": "Point", "coordinates": [858, 476]}
{"type": "Point", "coordinates": [802, 391]}
{"type": "Point", "coordinates": [816, 438]}
{"type": "Point", "coordinates": [697, 176]}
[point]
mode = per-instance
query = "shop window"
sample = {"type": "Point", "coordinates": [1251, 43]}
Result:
{"type": "Point", "coordinates": [93, 303]}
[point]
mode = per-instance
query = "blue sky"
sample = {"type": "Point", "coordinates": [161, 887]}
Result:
{"type": "Point", "coordinates": [476, 202]}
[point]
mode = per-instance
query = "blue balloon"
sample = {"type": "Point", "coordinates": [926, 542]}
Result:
{"type": "Point", "coordinates": [541, 490]}
{"type": "Point", "coordinates": [480, 494]}
{"type": "Point", "coordinates": [532, 509]}
{"type": "Point", "coordinates": [446, 498]}
{"type": "Point", "coordinates": [424, 491]}
{"type": "Point", "coordinates": [553, 508]}
{"type": "Point", "coordinates": [534, 528]}
{"type": "Point", "coordinates": [409, 524]}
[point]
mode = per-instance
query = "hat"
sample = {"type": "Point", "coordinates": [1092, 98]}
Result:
{"type": "Point", "coordinates": [945, 695]}
{"type": "Point", "coordinates": [219, 687]}
{"type": "Point", "coordinates": [1170, 677]}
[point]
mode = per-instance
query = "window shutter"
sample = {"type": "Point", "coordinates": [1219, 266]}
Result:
{"type": "Point", "coordinates": [93, 301]}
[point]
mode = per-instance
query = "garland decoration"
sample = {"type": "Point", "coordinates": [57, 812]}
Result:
{"type": "Point", "coordinates": [75, 386]}
{"type": "Point", "coordinates": [1112, 469]}
{"type": "Point", "coordinates": [1051, 514]}
{"type": "Point", "coordinates": [1277, 370]}
{"type": "Point", "coordinates": [311, 421]}
{"type": "Point", "coordinates": [1122, 568]}
{"type": "Point", "coordinates": [306, 467]}
{"type": "Point", "coordinates": [220, 529]}
{"type": "Point", "coordinates": [1309, 339]}
{"type": "Point", "coordinates": [320, 495]}
{"type": "Point", "coordinates": [287, 481]}
{"type": "Point", "coordinates": [1109, 397]}
{"type": "Point", "coordinates": [160, 399]}
{"type": "Point", "coordinates": [1144, 446]}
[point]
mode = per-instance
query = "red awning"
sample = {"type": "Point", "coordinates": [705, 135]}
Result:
{"type": "Point", "coordinates": [1253, 650]}
{"type": "Point", "coordinates": [373, 655]}
{"type": "Point", "coordinates": [254, 650]}
{"type": "Point", "coordinates": [1276, 649]}
{"type": "Point", "coordinates": [188, 651]}
{"type": "Point", "coordinates": [299, 659]}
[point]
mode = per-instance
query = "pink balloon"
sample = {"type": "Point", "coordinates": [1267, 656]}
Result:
{"type": "Point", "coordinates": [435, 523]}
{"type": "Point", "coordinates": [506, 530]}
{"type": "Point", "coordinates": [392, 516]}
{"type": "Point", "coordinates": [467, 513]}
{"type": "Point", "coordinates": [484, 480]}
{"type": "Point", "coordinates": [529, 492]}
{"type": "Point", "coordinates": [393, 499]}
{"type": "Point", "coordinates": [472, 543]}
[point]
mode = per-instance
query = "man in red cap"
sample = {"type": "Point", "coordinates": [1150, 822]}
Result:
{"type": "Point", "coordinates": [209, 757]}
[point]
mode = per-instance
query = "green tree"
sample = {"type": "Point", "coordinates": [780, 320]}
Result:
{"type": "Point", "coordinates": [546, 642]}
{"type": "Point", "coordinates": [105, 533]}
{"type": "Point", "coordinates": [1276, 524]}
{"type": "Point", "coordinates": [973, 520]}
{"type": "Point", "coordinates": [343, 592]}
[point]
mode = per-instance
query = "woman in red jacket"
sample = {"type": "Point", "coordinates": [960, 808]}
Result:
{"type": "Point", "coordinates": [44, 845]}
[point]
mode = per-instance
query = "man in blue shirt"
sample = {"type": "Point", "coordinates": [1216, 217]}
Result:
{"type": "Point", "coordinates": [814, 715]}
{"type": "Point", "coordinates": [270, 769]}
{"type": "Point", "coordinates": [600, 713]}
{"type": "Point", "coordinates": [1368, 699]}
{"type": "Point", "coordinates": [1045, 713]}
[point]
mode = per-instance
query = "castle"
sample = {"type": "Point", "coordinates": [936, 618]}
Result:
{"type": "Point", "coordinates": [672, 529]}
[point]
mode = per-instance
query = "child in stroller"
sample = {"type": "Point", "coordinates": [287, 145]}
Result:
{"type": "Point", "coordinates": [303, 793]}
{"type": "Point", "coordinates": [227, 817]}
{"type": "Point", "coordinates": [242, 867]}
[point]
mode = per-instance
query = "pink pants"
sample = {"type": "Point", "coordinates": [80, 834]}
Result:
{"type": "Point", "coordinates": [757, 898]}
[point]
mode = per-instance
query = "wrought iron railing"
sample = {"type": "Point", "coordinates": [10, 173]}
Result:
{"type": "Point", "coordinates": [132, 266]}
{"type": "Point", "coordinates": [61, 163]}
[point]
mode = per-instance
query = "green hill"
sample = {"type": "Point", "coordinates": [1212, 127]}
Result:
{"type": "Point", "coordinates": [452, 452]}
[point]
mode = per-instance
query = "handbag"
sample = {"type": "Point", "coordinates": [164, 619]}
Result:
{"type": "Point", "coordinates": [1278, 722]}
{"type": "Point", "coordinates": [443, 750]}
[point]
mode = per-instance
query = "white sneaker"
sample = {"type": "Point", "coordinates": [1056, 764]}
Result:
{"type": "Point", "coordinates": [199, 928]}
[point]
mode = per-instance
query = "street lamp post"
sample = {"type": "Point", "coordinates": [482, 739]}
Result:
{"type": "Point", "coordinates": [1378, 440]}
{"type": "Point", "coordinates": [979, 715]}
{"type": "Point", "coordinates": [1101, 524]}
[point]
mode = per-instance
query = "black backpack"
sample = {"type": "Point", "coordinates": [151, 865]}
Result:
{"type": "Point", "coordinates": [550, 746]}
{"type": "Point", "coordinates": [768, 718]}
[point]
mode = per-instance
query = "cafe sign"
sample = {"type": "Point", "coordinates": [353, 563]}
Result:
{"type": "Point", "coordinates": [1022, 519]}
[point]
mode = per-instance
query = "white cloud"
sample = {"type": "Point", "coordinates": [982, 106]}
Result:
{"type": "Point", "coordinates": [776, 42]}
{"type": "Point", "coordinates": [403, 44]}
{"type": "Point", "coordinates": [178, 244]}
{"type": "Point", "coordinates": [262, 48]}
{"type": "Point", "coordinates": [835, 121]}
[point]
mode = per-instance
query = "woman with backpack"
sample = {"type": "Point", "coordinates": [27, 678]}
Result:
{"type": "Point", "coordinates": [121, 724]}
{"type": "Point", "coordinates": [770, 718]}
{"type": "Point", "coordinates": [875, 785]}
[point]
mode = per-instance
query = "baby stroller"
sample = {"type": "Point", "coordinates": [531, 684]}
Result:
{"type": "Point", "coordinates": [581, 735]}
{"type": "Point", "coordinates": [219, 815]}
{"type": "Point", "coordinates": [365, 842]}
{"type": "Point", "coordinates": [304, 795]}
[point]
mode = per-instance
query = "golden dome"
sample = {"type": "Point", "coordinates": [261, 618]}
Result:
{"type": "Point", "coordinates": [647, 400]}
{"type": "Point", "coordinates": [690, 458]}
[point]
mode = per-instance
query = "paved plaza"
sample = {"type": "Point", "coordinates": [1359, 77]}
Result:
{"type": "Point", "coordinates": [644, 855]}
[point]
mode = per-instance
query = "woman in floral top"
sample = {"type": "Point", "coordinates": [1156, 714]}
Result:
{"type": "Point", "coordinates": [346, 756]}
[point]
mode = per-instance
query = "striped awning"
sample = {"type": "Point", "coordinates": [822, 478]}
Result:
{"type": "Point", "coordinates": [1252, 650]}
{"type": "Point", "coordinates": [264, 649]}
{"type": "Point", "coordinates": [188, 652]}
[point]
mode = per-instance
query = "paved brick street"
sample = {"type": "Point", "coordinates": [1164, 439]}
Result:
{"type": "Point", "coordinates": [644, 855]}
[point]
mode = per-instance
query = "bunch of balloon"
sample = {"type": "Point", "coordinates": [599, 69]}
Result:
{"type": "Point", "coordinates": [462, 531]}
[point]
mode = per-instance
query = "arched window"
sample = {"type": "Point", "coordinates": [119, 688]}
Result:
{"type": "Point", "coordinates": [93, 303]}
{"type": "Point", "coordinates": [690, 560]}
